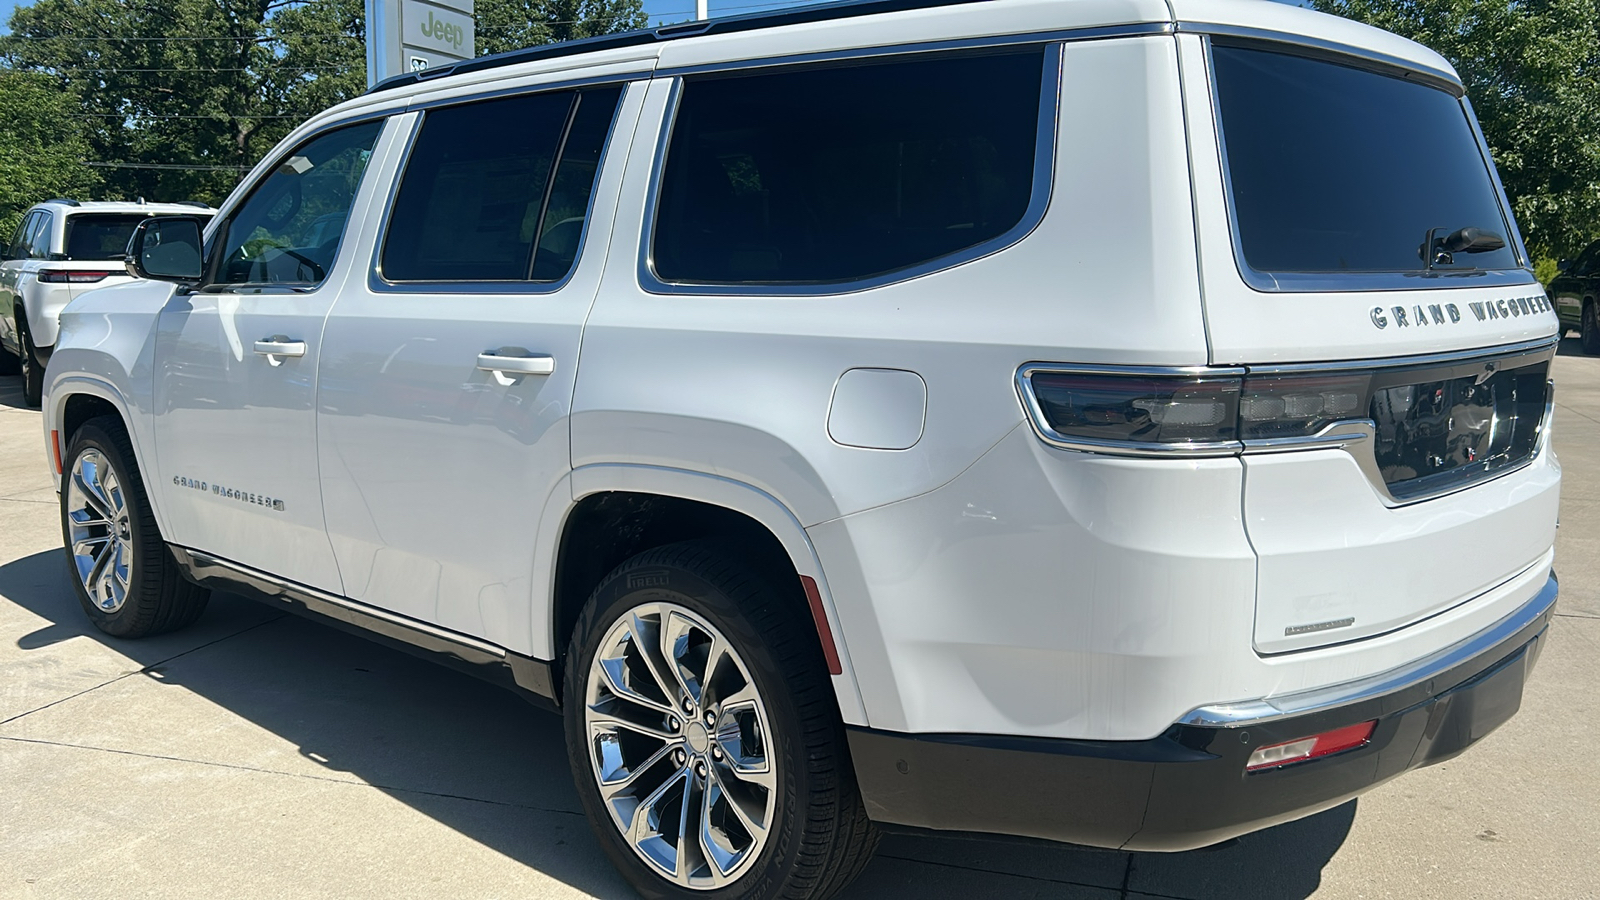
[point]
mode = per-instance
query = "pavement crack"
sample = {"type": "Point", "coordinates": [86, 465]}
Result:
{"type": "Point", "coordinates": [1576, 616]}
{"type": "Point", "coordinates": [1568, 409]}
{"type": "Point", "coordinates": [260, 771]}
{"type": "Point", "coordinates": [141, 671]}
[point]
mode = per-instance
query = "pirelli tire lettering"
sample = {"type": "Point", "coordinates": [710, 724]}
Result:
{"type": "Point", "coordinates": [227, 493]}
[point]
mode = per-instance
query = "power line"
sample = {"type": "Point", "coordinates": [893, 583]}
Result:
{"type": "Point", "coordinates": [166, 167]}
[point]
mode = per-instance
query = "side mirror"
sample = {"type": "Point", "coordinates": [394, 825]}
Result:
{"type": "Point", "coordinates": [165, 248]}
{"type": "Point", "coordinates": [1563, 265]}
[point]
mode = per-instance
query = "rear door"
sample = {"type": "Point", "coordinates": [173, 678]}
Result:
{"type": "Point", "coordinates": [10, 269]}
{"type": "Point", "coordinates": [448, 365]}
{"type": "Point", "coordinates": [1361, 263]}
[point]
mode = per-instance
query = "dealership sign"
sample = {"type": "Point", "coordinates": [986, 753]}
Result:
{"type": "Point", "coordinates": [413, 35]}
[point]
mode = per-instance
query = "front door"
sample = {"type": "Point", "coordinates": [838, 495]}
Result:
{"type": "Point", "coordinates": [235, 386]}
{"type": "Point", "coordinates": [447, 368]}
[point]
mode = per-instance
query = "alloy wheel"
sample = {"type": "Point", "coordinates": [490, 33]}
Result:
{"type": "Point", "coordinates": [680, 747]}
{"type": "Point", "coordinates": [100, 531]}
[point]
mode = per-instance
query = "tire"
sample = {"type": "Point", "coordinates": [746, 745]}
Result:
{"type": "Point", "coordinates": [1589, 330]}
{"type": "Point", "coordinates": [32, 370]}
{"type": "Point", "coordinates": [124, 575]}
{"type": "Point", "coordinates": [10, 363]}
{"type": "Point", "coordinates": [768, 736]}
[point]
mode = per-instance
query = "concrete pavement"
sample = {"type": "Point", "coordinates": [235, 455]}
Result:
{"type": "Point", "coordinates": [257, 755]}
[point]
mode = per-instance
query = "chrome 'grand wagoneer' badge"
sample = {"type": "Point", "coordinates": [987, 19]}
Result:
{"type": "Point", "coordinates": [1424, 315]}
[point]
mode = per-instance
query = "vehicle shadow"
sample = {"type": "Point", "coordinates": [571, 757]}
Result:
{"type": "Point", "coordinates": [11, 393]}
{"type": "Point", "coordinates": [1570, 346]}
{"type": "Point", "coordinates": [481, 761]}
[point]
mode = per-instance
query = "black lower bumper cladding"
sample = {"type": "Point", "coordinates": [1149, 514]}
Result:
{"type": "Point", "coordinates": [1187, 788]}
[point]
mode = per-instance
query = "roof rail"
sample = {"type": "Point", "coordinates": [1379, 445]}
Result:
{"type": "Point", "coordinates": [63, 201]}
{"type": "Point", "coordinates": [196, 203]}
{"type": "Point", "coordinates": [794, 15]}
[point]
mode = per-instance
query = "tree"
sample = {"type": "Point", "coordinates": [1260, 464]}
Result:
{"type": "Point", "coordinates": [181, 97]}
{"type": "Point", "coordinates": [513, 24]}
{"type": "Point", "coordinates": [1532, 71]}
{"type": "Point", "coordinates": [42, 146]}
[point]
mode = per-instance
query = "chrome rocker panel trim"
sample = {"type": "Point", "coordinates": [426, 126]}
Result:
{"type": "Point", "coordinates": [533, 678]}
{"type": "Point", "coordinates": [1533, 615]}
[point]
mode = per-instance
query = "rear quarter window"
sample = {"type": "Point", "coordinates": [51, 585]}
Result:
{"type": "Point", "coordinates": [836, 173]}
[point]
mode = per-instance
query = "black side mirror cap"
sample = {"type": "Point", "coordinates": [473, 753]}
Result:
{"type": "Point", "coordinates": [1563, 265]}
{"type": "Point", "coordinates": [166, 248]}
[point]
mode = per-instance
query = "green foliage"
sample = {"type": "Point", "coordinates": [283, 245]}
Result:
{"type": "Point", "coordinates": [42, 146]}
{"type": "Point", "coordinates": [513, 24]}
{"type": "Point", "coordinates": [1545, 269]}
{"type": "Point", "coordinates": [211, 85]}
{"type": "Point", "coordinates": [1532, 71]}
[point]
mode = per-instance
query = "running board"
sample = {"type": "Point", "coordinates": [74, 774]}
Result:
{"type": "Point", "coordinates": [532, 678]}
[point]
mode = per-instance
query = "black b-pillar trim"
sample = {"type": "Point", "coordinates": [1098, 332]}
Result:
{"type": "Point", "coordinates": [532, 678]}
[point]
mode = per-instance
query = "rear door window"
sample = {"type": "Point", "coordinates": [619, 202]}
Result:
{"type": "Point", "coordinates": [19, 241]}
{"type": "Point", "coordinates": [37, 242]}
{"type": "Point", "coordinates": [836, 173]}
{"type": "Point", "coordinates": [1336, 169]}
{"type": "Point", "coordinates": [498, 190]}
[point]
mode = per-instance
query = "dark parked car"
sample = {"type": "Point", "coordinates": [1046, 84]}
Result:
{"type": "Point", "coordinates": [1575, 292]}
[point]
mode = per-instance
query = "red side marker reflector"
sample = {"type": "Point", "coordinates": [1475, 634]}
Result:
{"type": "Point", "coordinates": [820, 617]}
{"type": "Point", "coordinates": [55, 449]}
{"type": "Point", "coordinates": [1318, 745]}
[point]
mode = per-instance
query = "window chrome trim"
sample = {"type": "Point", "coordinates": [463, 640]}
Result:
{"type": "Point", "coordinates": [1535, 612]}
{"type": "Point", "coordinates": [1069, 35]}
{"type": "Point", "coordinates": [1039, 201]}
{"type": "Point", "coordinates": [378, 284]}
{"type": "Point", "coordinates": [1374, 59]}
{"type": "Point", "coordinates": [1356, 437]}
{"type": "Point", "coordinates": [1351, 282]}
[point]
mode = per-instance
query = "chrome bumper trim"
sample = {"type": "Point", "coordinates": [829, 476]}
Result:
{"type": "Point", "coordinates": [1251, 712]}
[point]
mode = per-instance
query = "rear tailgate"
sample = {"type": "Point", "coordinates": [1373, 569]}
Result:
{"type": "Point", "coordinates": [1356, 248]}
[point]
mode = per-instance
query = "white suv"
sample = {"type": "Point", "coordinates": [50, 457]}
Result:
{"type": "Point", "coordinates": [61, 249]}
{"type": "Point", "coordinates": [1105, 422]}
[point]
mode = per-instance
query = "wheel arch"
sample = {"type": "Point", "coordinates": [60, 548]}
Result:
{"type": "Point", "coordinates": [618, 510]}
{"type": "Point", "coordinates": [75, 399]}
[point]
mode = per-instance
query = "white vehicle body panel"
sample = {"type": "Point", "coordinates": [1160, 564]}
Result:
{"type": "Point", "coordinates": [974, 578]}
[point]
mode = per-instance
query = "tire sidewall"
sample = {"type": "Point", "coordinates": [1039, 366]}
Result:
{"type": "Point", "coordinates": [678, 585]}
{"type": "Point", "coordinates": [32, 372]}
{"type": "Point", "coordinates": [1589, 329]}
{"type": "Point", "coordinates": [124, 620]}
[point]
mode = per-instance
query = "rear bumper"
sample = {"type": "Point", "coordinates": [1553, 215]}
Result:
{"type": "Point", "coordinates": [1188, 788]}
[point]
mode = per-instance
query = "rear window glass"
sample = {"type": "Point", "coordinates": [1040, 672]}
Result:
{"type": "Point", "coordinates": [1338, 169]}
{"type": "Point", "coordinates": [837, 173]}
{"type": "Point", "coordinates": [478, 201]}
{"type": "Point", "coordinates": [101, 236]}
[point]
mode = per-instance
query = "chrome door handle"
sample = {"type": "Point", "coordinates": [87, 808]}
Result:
{"type": "Point", "coordinates": [532, 364]}
{"type": "Point", "coordinates": [278, 347]}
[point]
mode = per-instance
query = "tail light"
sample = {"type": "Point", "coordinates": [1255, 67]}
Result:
{"type": "Point", "coordinates": [1315, 747]}
{"type": "Point", "coordinates": [73, 276]}
{"type": "Point", "coordinates": [1195, 410]}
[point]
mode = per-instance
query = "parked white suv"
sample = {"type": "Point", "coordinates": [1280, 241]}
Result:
{"type": "Point", "coordinates": [61, 249]}
{"type": "Point", "coordinates": [1092, 421]}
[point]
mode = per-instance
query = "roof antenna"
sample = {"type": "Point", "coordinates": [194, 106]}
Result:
{"type": "Point", "coordinates": [141, 201]}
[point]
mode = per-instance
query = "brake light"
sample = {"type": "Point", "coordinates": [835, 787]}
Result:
{"type": "Point", "coordinates": [1203, 409]}
{"type": "Point", "coordinates": [1315, 747]}
{"type": "Point", "coordinates": [73, 276]}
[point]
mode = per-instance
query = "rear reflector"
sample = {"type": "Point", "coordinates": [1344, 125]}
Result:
{"type": "Point", "coordinates": [55, 449]}
{"type": "Point", "coordinates": [72, 276]}
{"type": "Point", "coordinates": [819, 615]}
{"type": "Point", "coordinates": [1314, 747]}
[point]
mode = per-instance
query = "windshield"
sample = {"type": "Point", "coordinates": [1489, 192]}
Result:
{"type": "Point", "coordinates": [1337, 169]}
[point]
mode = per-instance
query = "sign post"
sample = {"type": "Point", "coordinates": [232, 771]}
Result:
{"type": "Point", "coordinates": [412, 35]}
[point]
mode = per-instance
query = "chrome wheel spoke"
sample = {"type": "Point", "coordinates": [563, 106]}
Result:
{"type": "Point", "coordinates": [689, 783]}
{"type": "Point", "coordinates": [98, 531]}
